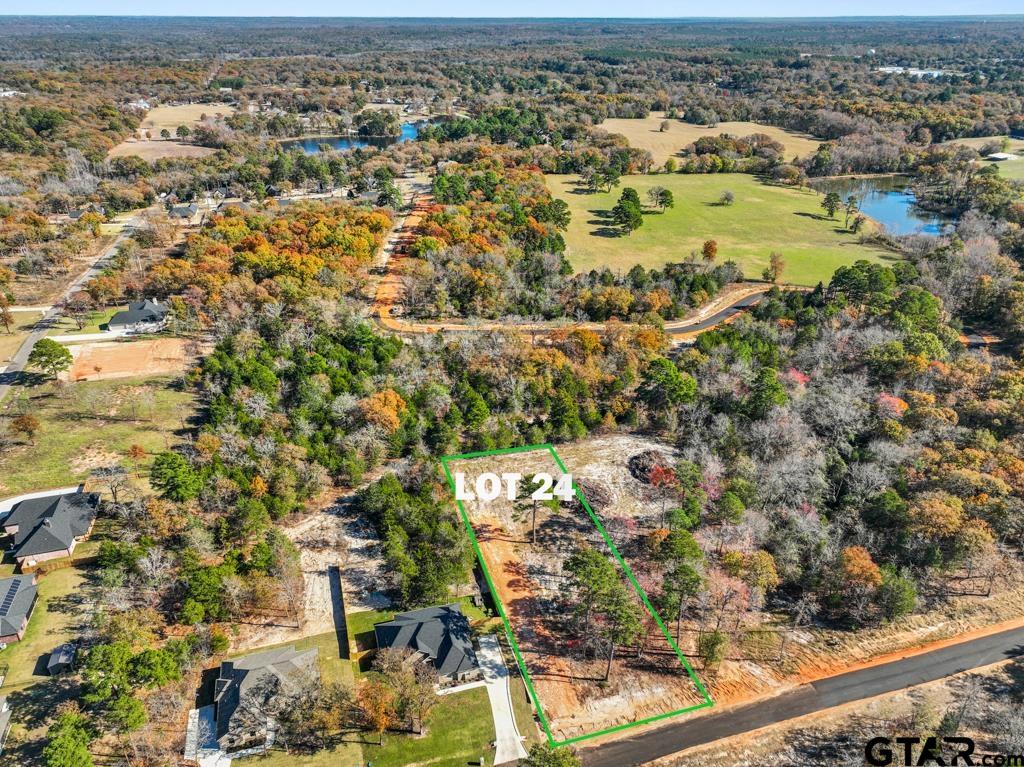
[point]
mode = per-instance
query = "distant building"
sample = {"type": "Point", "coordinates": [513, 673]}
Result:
{"type": "Point", "coordinates": [140, 317]}
{"type": "Point", "coordinates": [251, 690]}
{"type": "Point", "coordinates": [61, 659]}
{"type": "Point", "coordinates": [17, 600]}
{"type": "Point", "coordinates": [184, 212]}
{"type": "Point", "coordinates": [50, 527]}
{"type": "Point", "coordinates": [440, 635]}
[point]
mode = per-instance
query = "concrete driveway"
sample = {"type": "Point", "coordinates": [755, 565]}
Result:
{"type": "Point", "coordinates": [508, 746]}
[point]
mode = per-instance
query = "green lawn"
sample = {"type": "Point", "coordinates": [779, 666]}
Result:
{"type": "Point", "coordinates": [763, 218]}
{"type": "Point", "coordinates": [95, 322]}
{"type": "Point", "coordinates": [86, 425]}
{"type": "Point", "coordinates": [459, 731]}
{"type": "Point", "coordinates": [1011, 169]}
{"type": "Point", "coordinates": [58, 616]}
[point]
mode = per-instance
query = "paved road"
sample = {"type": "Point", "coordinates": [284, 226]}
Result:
{"type": "Point", "coordinates": [718, 317]}
{"type": "Point", "coordinates": [809, 698]}
{"type": "Point", "coordinates": [10, 375]}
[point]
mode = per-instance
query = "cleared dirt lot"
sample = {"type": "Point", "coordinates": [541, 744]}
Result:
{"type": "Point", "coordinates": [646, 134]}
{"type": "Point", "coordinates": [102, 360]}
{"type": "Point", "coordinates": [532, 584]}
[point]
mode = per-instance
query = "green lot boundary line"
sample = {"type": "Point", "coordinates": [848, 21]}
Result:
{"type": "Point", "coordinates": [508, 626]}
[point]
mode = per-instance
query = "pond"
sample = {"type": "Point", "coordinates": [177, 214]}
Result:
{"type": "Point", "coordinates": [312, 144]}
{"type": "Point", "coordinates": [889, 201]}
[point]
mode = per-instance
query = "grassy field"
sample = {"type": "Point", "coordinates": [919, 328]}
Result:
{"type": "Point", "coordinates": [1013, 169]}
{"type": "Point", "coordinates": [95, 322]}
{"type": "Point", "coordinates": [459, 731]}
{"type": "Point", "coordinates": [170, 117]}
{"type": "Point", "coordinates": [87, 425]}
{"type": "Point", "coordinates": [646, 134]}
{"type": "Point", "coordinates": [20, 328]}
{"type": "Point", "coordinates": [58, 617]}
{"type": "Point", "coordinates": [764, 218]}
{"type": "Point", "coordinates": [1015, 144]}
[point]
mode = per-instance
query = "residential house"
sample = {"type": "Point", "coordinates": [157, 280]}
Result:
{"type": "Point", "coordinates": [440, 635]}
{"type": "Point", "coordinates": [17, 600]}
{"type": "Point", "coordinates": [140, 317]}
{"type": "Point", "coordinates": [251, 690]}
{"type": "Point", "coordinates": [185, 214]}
{"type": "Point", "coordinates": [50, 527]}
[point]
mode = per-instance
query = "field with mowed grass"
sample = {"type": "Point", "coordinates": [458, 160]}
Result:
{"type": "Point", "coordinates": [764, 218]}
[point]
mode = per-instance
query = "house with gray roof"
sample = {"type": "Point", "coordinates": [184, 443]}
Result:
{"type": "Point", "coordinates": [49, 527]}
{"type": "Point", "coordinates": [440, 635]}
{"type": "Point", "coordinates": [17, 600]}
{"type": "Point", "coordinates": [140, 317]}
{"type": "Point", "coordinates": [251, 690]}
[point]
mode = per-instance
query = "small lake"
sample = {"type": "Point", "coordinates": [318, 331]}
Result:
{"type": "Point", "coordinates": [312, 144]}
{"type": "Point", "coordinates": [889, 201]}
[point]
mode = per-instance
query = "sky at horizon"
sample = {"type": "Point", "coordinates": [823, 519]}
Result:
{"type": "Point", "coordinates": [518, 9]}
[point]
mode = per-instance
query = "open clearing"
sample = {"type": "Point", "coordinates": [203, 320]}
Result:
{"type": "Point", "coordinates": [157, 149]}
{"type": "Point", "coordinates": [763, 218]}
{"type": "Point", "coordinates": [107, 360]}
{"type": "Point", "coordinates": [531, 583]}
{"type": "Point", "coordinates": [88, 425]}
{"type": "Point", "coordinates": [646, 134]}
{"type": "Point", "coordinates": [1015, 144]}
{"type": "Point", "coordinates": [170, 117]}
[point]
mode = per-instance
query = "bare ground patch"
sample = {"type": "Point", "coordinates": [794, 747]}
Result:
{"type": "Point", "coordinates": [103, 360]}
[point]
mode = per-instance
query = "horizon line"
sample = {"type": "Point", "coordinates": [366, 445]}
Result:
{"type": "Point", "coordinates": [834, 17]}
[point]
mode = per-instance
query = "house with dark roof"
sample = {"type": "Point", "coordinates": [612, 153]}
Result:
{"type": "Point", "coordinates": [140, 317]}
{"type": "Point", "coordinates": [50, 527]}
{"type": "Point", "coordinates": [251, 690]}
{"type": "Point", "coordinates": [17, 600]}
{"type": "Point", "coordinates": [440, 635]}
{"type": "Point", "coordinates": [184, 212]}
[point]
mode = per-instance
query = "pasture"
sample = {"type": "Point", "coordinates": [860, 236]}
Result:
{"type": "Point", "coordinates": [764, 218]}
{"type": "Point", "coordinates": [646, 134]}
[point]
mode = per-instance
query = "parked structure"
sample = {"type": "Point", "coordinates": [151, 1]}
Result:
{"type": "Point", "coordinates": [18, 596]}
{"type": "Point", "coordinates": [50, 527]}
{"type": "Point", "coordinates": [440, 635]}
{"type": "Point", "coordinates": [251, 690]}
{"type": "Point", "coordinates": [61, 659]}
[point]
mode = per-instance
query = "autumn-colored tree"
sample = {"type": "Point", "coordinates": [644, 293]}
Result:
{"type": "Point", "coordinates": [6, 315]}
{"type": "Point", "coordinates": [376, 701]}
{"type": "Point", "coordinates": [776, 265]}
{"type": "Point", "coordinates": [710, 250]}
{"type": "Point", "coordinates": [137, 454]}
{"type": "Point", "coordinates": [26, 424]}
{"type": "Point", "coordinates": [384, 409]}
{"type": "Point", "coordinates": [857, 570]}
{"type": "Point", "coordinates": [664, 479]}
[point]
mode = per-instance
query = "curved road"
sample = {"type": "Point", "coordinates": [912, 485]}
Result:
{"type": "Point", "coordinates": [809, 698]}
